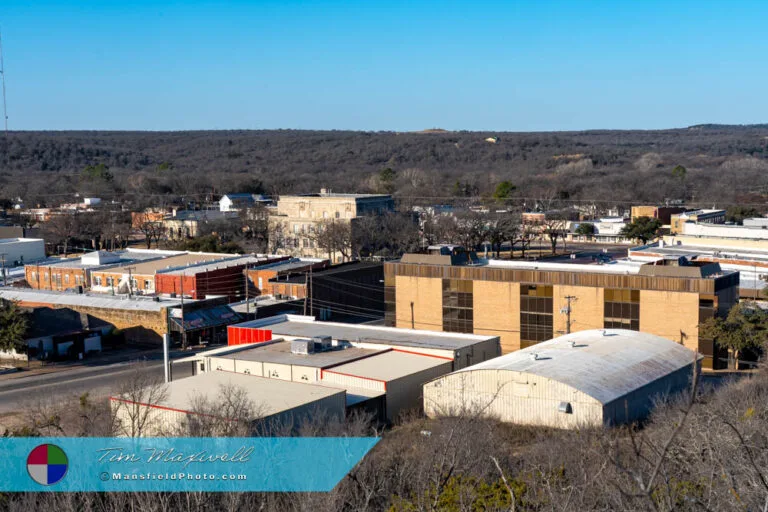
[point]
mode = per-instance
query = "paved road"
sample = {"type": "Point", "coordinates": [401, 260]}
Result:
{"type": "Point", "coordinates": [97, 380]}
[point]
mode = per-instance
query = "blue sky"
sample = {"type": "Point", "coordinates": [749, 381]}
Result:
{"type": "Point", "coordinates": [384, 65]}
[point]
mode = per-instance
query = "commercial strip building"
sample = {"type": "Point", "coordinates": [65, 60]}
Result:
{"type": "Point", "coordinates": [139, 319]}
{"type": "Point", "coordinates": [139, 277]}
{"type": "Point", "coordinates": [752, 264]}
{"type": "Point", "coordinates": [525, 303]}
{"type": "Point", "coordinates": [680, 221]}
{"type": "Point", "coordinates": [185, 407]}
{"type": "Point", "coordinates": [224, 277]}
{"type": "Point", "coordinates": [381, 369]}
{"type": "Point", "coordinates": [584, 379]}
{"type": "Point", "coordinates": [60, 274]}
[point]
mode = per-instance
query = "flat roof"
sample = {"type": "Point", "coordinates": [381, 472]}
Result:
{"type": "Point", "coordinates": [152, 266]}
{"type": "Point", "coordinates": [269, 396]}
{"type": "Point", "coordinates": [612, 267]}
{"type": "Point", "coordinates": [20, 240]}
{"type": "Point", "coordinates": [282, 266]}
{"type": "Point", "coordinates": [390, 365]}
{"type": "Point", "coordinates": [280, 353]}
{"type": "Point", "coordinates": [306, 327]}
{"type": "Point", "coordinates": [605, 364]}
{"type": "Point", "coordinates": [95, 301]}
{"type": "Point", "coordinates": [123, 258]}
{"type": "Point", "coordinates": [335, 195]}
{"type": "Point", "coordinates": [232, 261]}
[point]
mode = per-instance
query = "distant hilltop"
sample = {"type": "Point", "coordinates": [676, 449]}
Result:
{"type": "Point", "coordinates": [434, 130]}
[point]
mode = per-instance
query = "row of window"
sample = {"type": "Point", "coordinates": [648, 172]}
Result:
{"type": "Point", "coordinates": [622, 310]}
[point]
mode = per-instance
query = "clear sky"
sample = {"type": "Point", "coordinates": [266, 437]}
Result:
{"type": "Point", "coordinates": [384, 65]}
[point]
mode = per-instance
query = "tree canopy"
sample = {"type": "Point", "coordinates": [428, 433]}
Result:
{"type": "Point", "coordinates": [13, 325]}
{"type": "Point", "coordinates": [642, 228]}
{"type": "Point", "coordinates": [504, 190]}
{"type": "Point", "coordinates": [745, 328]}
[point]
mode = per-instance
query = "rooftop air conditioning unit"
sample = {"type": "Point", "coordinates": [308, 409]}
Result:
{"type": "Point", "coordinates": [303, 347]}
{"type": "Point", "coordinates": [322, 343]}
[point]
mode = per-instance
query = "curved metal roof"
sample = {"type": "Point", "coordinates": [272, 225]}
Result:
{"type": "Point", "coordinates": [605, 364]}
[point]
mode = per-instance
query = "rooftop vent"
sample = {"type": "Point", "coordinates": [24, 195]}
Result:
{"type": "Point", "coordinates": [534, 356]}
{"type": "Point", "coordinates": [572, 344]}
{"type": "Point", "coordinates": [303, 347]}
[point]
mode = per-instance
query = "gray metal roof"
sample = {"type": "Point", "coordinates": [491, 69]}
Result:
{"type": "Point", "coordinates": [306, 327]}
{"type": "Point", "coordinates": [94, 301]}
{"type": "Point", "coordinates": [605, 364]}
{"type": "Point", "coordinates": [390, 365]}
{"type": "Point", "coordinates": [270, 396]}
{"type": "Point", "coordinates": [280, 353]}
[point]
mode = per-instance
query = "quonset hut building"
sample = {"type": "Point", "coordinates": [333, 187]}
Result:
{"type": "Point", "coordinates": [587, 378]}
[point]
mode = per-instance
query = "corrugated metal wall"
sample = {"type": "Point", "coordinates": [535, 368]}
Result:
{"type": "Point", "coordinates": [510, 396]}
{"type": "Point", "coordinates": [353, 381]}
{"type": "Point", "coordinates": [242, 335]}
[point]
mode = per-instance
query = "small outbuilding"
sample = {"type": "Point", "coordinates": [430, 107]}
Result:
{"type": "Point", "coordinates": [587, 378]}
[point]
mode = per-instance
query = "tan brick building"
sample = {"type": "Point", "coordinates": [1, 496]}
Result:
{"type": "Point", "coordinates": [663, 213]}
{"type": "Point", "coordinates": [525, 303]}
{"type": "Point", "coordinates": [299, 217]}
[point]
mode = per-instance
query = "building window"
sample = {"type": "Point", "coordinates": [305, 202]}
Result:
{"type": "Point", "coordinates": [457, 306]}
{"type": "Point", "coordinates": [325, 215]}
{"type": "Point", "coordinates": [148, 284]}
{"type": "Point", "coordinates": [338, 215]}
{"type": "Point", "coordinates": [622, 309]}
{"type": "Point", "coordinates": [66, 278]}
{"type": "Point", "coordinates": [109, 281]}
{"type": "Point", "coordinates": [97, 280]}
{"type": "Point", "coordinates": [535, 314]}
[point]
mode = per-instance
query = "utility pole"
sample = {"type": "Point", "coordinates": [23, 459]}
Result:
{"type": "Point", "coordinates": [567, 311]}
{"type": "Point", "coordinates": [247, 304]}
{"type": "Point", "coordinates": [130, 281]}
{"type": "Point", "coordinates": [2, 268]}
{"type": "Point", "coordinates": [413, 320]}
{"type": "Point", "coordinates": [183, 331]}
{"type": "Point", "coordinates": [311, 292]}
{"type": "Point", "coordinates": [306, 291]}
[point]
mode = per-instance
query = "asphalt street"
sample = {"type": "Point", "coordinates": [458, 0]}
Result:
{"type": "Point", "coordinates": [97, 380]}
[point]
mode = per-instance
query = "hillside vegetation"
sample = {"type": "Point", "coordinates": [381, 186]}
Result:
{"type": "Point", "coordinates": [722, 164]}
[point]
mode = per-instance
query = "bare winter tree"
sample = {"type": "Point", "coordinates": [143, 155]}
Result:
{"type": "Point", "coordinates": [132, 417]}
{"type": "Point", "coordinates": [554, 229]}
{"type": "Point", "coordinates": [152, 229]}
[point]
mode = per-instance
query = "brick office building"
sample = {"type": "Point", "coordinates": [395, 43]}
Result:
{"type": "Point", "coordinates": [528, 302]}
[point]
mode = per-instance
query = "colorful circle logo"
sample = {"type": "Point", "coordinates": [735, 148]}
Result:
{"type": "Point", "coordinates": [47, 464]}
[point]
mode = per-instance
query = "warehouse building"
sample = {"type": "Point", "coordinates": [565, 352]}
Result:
{"type": "Point", "coordinates": [525, 303]}
{"type": "Point", "coordinates": [277, 405]}
{"type": "Point", "coordinates": [584, 379]}
{"type": "Point", "coordinates": [381, 369]}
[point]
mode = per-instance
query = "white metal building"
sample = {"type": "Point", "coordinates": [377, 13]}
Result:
{"type": "Point", "coordinates": [277, 402]}
{"type": "Point", "coordinates": [17, 251]}
{"type": "Point", "coordinates": [588, 378]}
{"type": "Point", "coordinates": [398, 375]}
